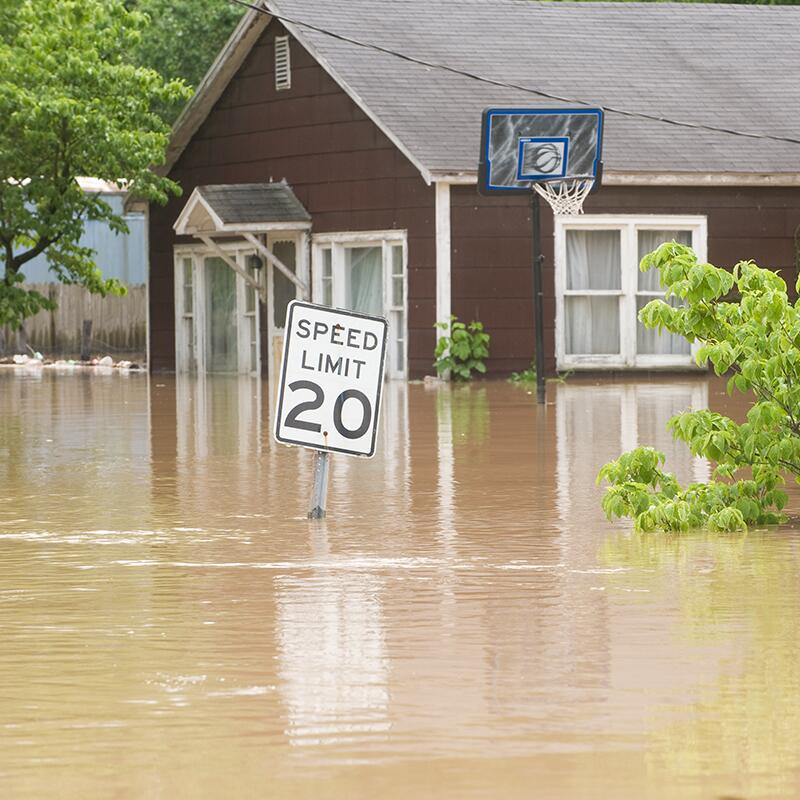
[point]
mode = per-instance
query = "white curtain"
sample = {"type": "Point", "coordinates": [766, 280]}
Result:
{"type": "Point", "coordinates": [364, 276]}
{"type": "Point", "coordinates": [649, 341]}
{"type": "Point", "coordinates": [593, 263]}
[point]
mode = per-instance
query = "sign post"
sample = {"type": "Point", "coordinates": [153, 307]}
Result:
{"type": "Point", "coordinates": [330, 387]}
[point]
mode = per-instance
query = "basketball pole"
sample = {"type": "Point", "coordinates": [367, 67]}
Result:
{"type": "Point", "coordinates": [538, 312]}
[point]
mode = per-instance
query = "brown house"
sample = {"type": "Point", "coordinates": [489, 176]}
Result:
{"type": "Point", "coordinates": [331, 152]}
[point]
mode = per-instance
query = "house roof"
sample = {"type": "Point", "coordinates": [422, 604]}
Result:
{"type": "Point", "coordinates": [234, 208]}
{"type": "Point", "coordinates": [730, 66]}
{"type": "Point", "coordinates": [254, 202]}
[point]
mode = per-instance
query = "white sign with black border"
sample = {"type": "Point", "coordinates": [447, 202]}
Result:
{"type": "Point", "coordinates": [331, 379]}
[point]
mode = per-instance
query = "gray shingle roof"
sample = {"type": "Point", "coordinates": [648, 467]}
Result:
{"type": "Point", "coordinates": [254, 203]}
{"type": "Point", "coordinates": [735, 66]}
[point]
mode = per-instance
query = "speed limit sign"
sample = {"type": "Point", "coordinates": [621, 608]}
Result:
{"type": "Point", "coordinates": [331, 378]}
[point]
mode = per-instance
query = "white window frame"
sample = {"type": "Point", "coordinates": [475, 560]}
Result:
{"type": "Point", "coordinates": [337, 243]}
{"type": "Point", "coordinates": [198, 253]}
{"type": "Point", "coordinates": [629, 227]}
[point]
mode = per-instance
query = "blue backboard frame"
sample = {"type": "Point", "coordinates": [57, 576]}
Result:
{"type": "Point", "coordinates": [531, 124]}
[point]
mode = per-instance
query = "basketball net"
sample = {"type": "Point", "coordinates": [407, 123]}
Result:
{"type": "Point", "coordinates": [566, 195]}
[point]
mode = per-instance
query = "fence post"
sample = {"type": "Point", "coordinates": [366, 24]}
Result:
{"type": "Point", "coordinates": [86, 340]}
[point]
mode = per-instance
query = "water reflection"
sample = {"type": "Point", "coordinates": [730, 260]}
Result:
{"type": "Point", "coordinates": [464, 624]}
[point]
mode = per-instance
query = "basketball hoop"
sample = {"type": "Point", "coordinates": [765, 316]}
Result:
{"type": "Point", "coordinates": [565, 195]}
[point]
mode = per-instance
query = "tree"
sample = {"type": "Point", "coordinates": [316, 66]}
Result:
{"type": "Point", "coordinates": [183, 39]}
{"type": "Point", "coordinates": [71, 106]}
{"type": "Point", "coordinates": [754, 336]}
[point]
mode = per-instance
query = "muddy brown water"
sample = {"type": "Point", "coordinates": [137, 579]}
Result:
{"type": "Point", "coordinates": [465, 624]}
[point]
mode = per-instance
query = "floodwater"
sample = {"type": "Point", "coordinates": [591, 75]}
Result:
{"type": "Point", "coordinates": [465, 624]}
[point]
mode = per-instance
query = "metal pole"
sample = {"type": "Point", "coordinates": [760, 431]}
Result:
{"type": "Point", "coordinates": [319, 496]}
{"type": "Point", "coordinates": [538, 312]}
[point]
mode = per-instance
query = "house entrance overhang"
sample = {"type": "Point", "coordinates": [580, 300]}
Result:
{"type": "Point", "coordinates": [249, 211]}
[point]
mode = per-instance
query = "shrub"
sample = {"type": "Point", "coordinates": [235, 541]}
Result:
{"type": "Point", "coordinates": [755, 336]}
{"type": "Point", "coordinates": [462, 349]}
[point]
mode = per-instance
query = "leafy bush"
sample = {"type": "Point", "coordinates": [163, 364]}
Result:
{"type": "Point", "coordinates": [525, 376]}
{"type": "Point", "coordinates": [462, 350]}
{"type": "Point", "coordinates": [756, 337]}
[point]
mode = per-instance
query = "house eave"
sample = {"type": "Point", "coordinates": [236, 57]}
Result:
{"type": "Point", "coordinates": [210, 89]}
{"type": "Point", "coordinates": [631, 178]}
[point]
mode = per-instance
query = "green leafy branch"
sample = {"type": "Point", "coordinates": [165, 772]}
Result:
{"type": "Point", "coordinates": [462, 350]}
{"type": "Point", "coordinates": [749, 329]}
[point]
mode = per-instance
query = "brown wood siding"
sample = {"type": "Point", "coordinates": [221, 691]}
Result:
{"type": "Point", "coordinates": [492, 275]}
{"type": "Point", "coordinates": [351, 177]}
{"type": "Point", "coordinates": [344, 170]}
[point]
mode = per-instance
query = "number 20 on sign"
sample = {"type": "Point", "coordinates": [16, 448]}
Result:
{"type": "Point", "coordinates": [331, 379]}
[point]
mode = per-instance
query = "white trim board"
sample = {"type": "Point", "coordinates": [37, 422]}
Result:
{"type": "Point", "coordinates": [443, 253]}
{"type": "Point", "coordinates": [613, 177]}
{"type": "Point", "coordinates": [393, 235]}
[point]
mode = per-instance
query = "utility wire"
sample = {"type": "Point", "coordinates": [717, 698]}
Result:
{"type": "Point", "coordinates": [518, 87]}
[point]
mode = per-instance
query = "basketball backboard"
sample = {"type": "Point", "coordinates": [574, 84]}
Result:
{"type": "Point", "coordinates": [524, 146]}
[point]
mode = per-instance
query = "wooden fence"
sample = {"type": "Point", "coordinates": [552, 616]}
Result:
{"type": "Point", "coordinates": [119, 324]}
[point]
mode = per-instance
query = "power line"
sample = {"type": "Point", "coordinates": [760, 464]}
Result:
{"type": "Point", "coordinates": [518, 87]}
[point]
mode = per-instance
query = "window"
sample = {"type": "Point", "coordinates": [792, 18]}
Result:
{"type": "Point", "coordinates": [600, 291]}
{"type": "Point", "coordinates": [366, 272]}
{"type": "Point", "coordinates": [283, 63]}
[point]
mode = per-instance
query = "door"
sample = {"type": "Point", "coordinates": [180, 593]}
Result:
{"type": "Point", "coordinates": [217, 325]}
{"type": "Point", "coordinates": [221, 334]}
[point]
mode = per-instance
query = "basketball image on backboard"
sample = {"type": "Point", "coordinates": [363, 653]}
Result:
{"type": "Point", "coordinates": [520, 147]}
{"type": "Point", "coordinates": [542, 157]}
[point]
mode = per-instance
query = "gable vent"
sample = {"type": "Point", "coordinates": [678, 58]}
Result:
{"type": "Point", "coordinates": [283, 64]}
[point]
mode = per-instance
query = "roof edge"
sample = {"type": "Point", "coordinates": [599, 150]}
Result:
{"type": "Point", "coordinates": [352, 94]}
{"type": "Point", "coordinates": [612, 177]}
{"type": "Point", "coordinates": [210, 89]}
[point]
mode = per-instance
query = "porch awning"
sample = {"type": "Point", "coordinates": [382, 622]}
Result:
{"type": "Point", "coordinates": [235, 209]}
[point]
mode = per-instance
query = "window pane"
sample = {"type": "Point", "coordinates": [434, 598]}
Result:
{"type": "Point", "coordinates": [327, 292]}
{"type": "Point", "coordinates": [650, 342]}
{"type": "Point", "coordinates": [649, 241]}
{"type": "Point", "coordinates": [251, 327]}
{"type": "Point", "coordinates": [364, 279]}
{"type": "Point", "coordinates": [188, 294]}
{"type": "Point", "coordinates": [327, 260]}
{"type": "Point", "coordinates": [397, 260]}
{"type": "Point", "coordinates": [284, 289]}
{"type": "Point", "coordinates": [250, 292]}
{"type": "Point", "coordinates": [591, 325]}
{"type": "Point", "coordinates": [397, 328]}
{"type": "Point", "coordinates": [397, 290]}
{"type": "Point", "coordinates": [188, 333]}
{"type": "Point", "coordinates": [326, 276]}
{"type": "Point", "coordinates": [593, 260]}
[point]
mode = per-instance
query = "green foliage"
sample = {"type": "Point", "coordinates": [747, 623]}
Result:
{"type": "Point", "coordinates": [753, 335]}
{"type": "Point", "coordinates": [71, 106]}
{"type": "Point", "coordinates": [462, 349]}
{"type": "Point", "coordinates": [183, 39]}
{"type": "Point", "coordinates": [525, 376]}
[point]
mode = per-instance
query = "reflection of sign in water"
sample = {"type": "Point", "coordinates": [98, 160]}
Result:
{"type": "Point", "coordinates": [542, 157]}
{"type": "Point", "coordinates": [331, 379]}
